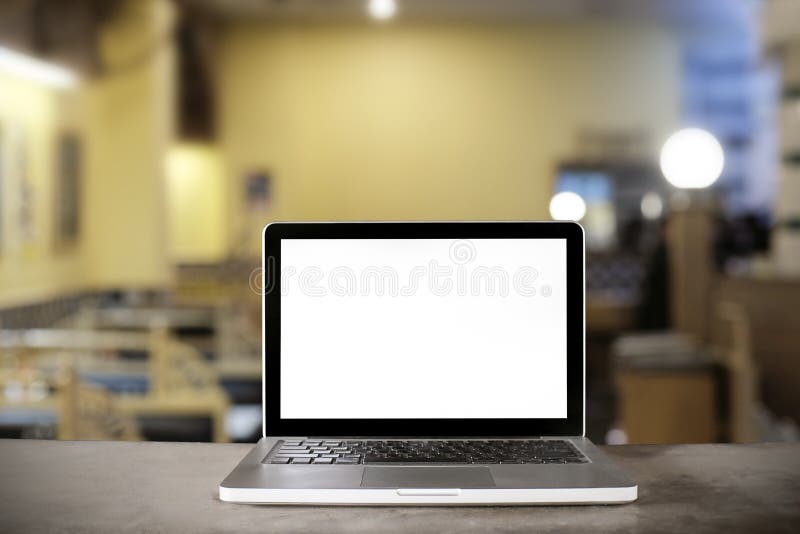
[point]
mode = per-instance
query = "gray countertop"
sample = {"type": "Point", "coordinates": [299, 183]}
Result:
{"type": "Point", "coordinates": [50, 486]}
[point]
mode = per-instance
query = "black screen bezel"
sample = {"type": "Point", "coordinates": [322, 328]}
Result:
{"type": "Point", "coordinates": [572, 425]}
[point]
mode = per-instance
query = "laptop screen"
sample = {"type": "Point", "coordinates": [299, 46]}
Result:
{"type": "Point", "coordinates": [423, 328]}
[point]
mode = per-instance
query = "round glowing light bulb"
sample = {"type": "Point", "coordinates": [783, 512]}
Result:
{"type": "Point", "coordinates": [382, 9]}
{"type": "Point", "coordinates": [652, 206]}
{"type": "Point", "coordinates": [692, 159]}
{"type": "Point", "coordinates": [567, 206]}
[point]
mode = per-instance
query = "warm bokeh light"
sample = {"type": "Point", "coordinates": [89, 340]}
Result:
{"type": "Point", "coordinates": [382, 9]}
{"type": "Point", "coordinates": [692, 159]}
{"type": "Point", "coordinates": [36, 70]}
{"type": "Point", "coordinates": [567, 206]}
{"type": "Point", "coordinates": [652, 205]}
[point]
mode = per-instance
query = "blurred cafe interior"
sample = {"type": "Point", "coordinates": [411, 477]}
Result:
{"type": "Point", "coordinates": [145, 143]}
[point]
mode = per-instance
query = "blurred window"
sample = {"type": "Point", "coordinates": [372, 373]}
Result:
{"type": "Point", "coordinates": [596, 189]}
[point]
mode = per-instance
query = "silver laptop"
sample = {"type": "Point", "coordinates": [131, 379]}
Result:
{"type": "Point", "coordinates": [424, 363]}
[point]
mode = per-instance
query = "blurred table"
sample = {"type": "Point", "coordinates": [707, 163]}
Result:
{"type": "Point", "coordinates": [146, 318]}
{"type": "Point", "coordinates": [605, 315]}
{"type": "Point", "coordinates": [172, 487]}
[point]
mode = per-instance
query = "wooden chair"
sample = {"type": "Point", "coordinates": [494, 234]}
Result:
{"type": "Point", "coordinates": [182, 382]}
{"type": "Point", "coordinates": [89, 412]}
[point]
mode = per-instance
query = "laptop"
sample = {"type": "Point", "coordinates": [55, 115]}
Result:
{"type": "Point", "coordinates": [424, 363]}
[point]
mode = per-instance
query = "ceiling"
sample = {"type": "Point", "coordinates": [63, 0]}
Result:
{"type": "Point", "coordinates": [68, 31]}
{"type": "Point", "coordinates": [729, 14]}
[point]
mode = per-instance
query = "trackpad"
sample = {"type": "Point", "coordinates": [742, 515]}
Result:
{"type": "Point", "coordinates": [427, 477]}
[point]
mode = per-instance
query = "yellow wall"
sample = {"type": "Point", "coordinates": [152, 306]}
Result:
{"type": "Point", "coordinates": [363, 121]}
{"type": "Point", "coordinates": [125, 122]}
{"type": "Point", "coordinates": [130, 117]}
{"type": "Point", "coordinates": [429, 122]}
{"type": "Point", "coordinates": [196, 202]}
{"type": "Point", "coordinates": [31, 118]}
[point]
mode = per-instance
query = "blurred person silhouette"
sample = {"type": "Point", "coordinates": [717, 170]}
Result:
{"type": "Point", "coordinates": [653, 312]}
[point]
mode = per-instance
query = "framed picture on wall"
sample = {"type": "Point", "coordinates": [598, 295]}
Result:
{"type": "Point", "coordinates": [21, 221]}
{"type": "Point", "coordinates": [258, 190]}
{"type": "Point", "coordinates": [68, 187]}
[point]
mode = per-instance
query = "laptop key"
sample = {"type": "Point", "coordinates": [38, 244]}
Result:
{"type": "Point", "coordinates": [486, 452]}
{"type": "Point", "coordinates": [301, 460]}
{"type": "Point", "coordinates": [280, 460]}
{"type": "Point", "coordinates": [323, 460]}
{"type": "Point", "coordinates": [279, 455]}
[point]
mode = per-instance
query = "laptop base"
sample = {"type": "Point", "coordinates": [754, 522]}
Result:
{"type": "Point", "coordinates": [596, 482]}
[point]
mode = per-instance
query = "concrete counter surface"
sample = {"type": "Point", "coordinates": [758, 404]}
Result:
{"type": "Point", "coordinates": [50, 486]}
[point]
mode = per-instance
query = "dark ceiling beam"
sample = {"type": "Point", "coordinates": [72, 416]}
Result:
{"type": "Point", "coordinates": [59, 30]}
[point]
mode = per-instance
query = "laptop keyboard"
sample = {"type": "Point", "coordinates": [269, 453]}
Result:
{"type": "Point", "coordinates": [350, 452]}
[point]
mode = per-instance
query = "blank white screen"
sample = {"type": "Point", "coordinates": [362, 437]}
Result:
{"type": "Point", "coordinates": [470, 351]}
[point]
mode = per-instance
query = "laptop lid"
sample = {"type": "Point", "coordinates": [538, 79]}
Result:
{"type": "Point", "coordinates": [423, 329]}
